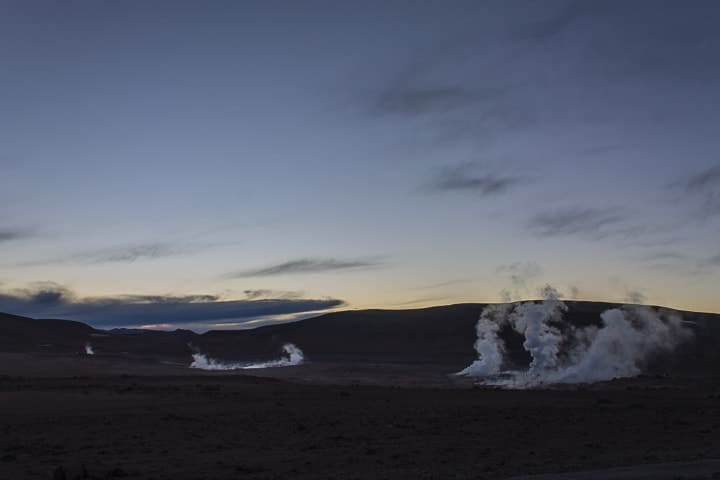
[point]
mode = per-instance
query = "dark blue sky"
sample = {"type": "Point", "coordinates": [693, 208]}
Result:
{"type": "Point", "coordinates": [387, 154]}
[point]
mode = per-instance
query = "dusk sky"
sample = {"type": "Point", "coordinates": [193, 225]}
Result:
{"type": "Point", "coordinates": [224, 164]}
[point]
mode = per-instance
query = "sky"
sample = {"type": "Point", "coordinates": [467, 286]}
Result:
{"type": "Point", "coordinates": [227, 164]}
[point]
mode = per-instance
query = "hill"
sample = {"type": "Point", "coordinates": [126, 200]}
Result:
{"type": "Point", "coordinates": [442, 335]}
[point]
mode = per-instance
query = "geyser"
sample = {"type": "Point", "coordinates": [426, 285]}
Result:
{"type": "Point", "coordinates": [292, 355]}
{"type": "Point", "coordinates": [625, 340]}
{"type": "Point", "coordinates": [89, 349]}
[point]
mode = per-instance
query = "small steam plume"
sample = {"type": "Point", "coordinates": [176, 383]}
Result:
{"type": "Point", "coordinates": [292, 355]}
{"type": "Point", "coordinates": [89, 349]}
{"type": "Point", "coordinates": [621, 346]}
{"type": "Point", "coordinates": [489, 346]}
{"type": "Point", "coordinates": [542, 338]}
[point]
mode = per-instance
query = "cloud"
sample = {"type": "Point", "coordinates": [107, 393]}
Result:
{"type": "Point", "coordinates": [587, 222]}
{"type": "Point", "coordinates": [664, 256]}
{"type": "Point", "coordinates": [124, 254]}
{"type": "Point", "coordinates": [267, 293]}
{"type": "Point", "coordinates": [461, 178]}
{"type": "Point", "coordinates": [50, 300]}
{"type": "Point", "coordinates": [407, 100]}
{"type": "Point", "coordinates": [714, 260]}
{"type": "Point", "coordinates": [704, 188]}
{"type": "Point", "coordinates": [10, 234]}
{"type": "Point", "coordinates": [448, 283]}
{"type": "Point", "coordinates": [306, 265]}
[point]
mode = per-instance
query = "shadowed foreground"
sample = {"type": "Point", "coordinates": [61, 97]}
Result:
{"type": "Point", "coordinates": [238, 426]}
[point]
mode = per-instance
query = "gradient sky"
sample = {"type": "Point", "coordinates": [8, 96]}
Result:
{"type": "Point", "coordinates": [216, 163]}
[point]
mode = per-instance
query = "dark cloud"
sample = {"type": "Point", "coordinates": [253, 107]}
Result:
{"type": "Point", "coordinates": [464, 178]}
{"type": "Point", "coordinates": [407, 100]}
{"type": "Point", "coordinates": [49, 300]}
{"type": "Point", "coordinates": [587, 222]}
{"type": "Point", "coordinates": [709, 178]}
{"type": "Point", "coordinates": [267, 293]}
{"type": "Point", "coordinates": [306, 265]}
{"type": "Point", "coordinates": [10, 234]}
{"type": "Point", "coordinates": [704, 189]}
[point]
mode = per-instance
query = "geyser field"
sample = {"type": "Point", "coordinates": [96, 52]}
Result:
{"type": "Point", "coordinates": [522, 389]}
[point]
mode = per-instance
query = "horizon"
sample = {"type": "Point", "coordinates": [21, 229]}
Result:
{"type": "Point", "coordinates": [264, 321]}
{"type": "Point", "coordinates": [237, 164]}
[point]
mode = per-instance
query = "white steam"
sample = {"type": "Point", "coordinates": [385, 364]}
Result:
{"type": "Point", "coordinates": [89, 349]}
{"type": "Point", "coordinates": [489, 345]}
{"type": "Point", "coordinates": [292, 355]}
{"type": "Point", "coordinates": [560, 353]}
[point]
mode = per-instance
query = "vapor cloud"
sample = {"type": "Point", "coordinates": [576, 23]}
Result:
{"type": "Point", "coordinates": [620, 345]}
{"type": "Point", "coordinates": [520, 273]}
{"type": "Point", "coordinates": [306, 265]}
{"type": "Point", "coordinates": [49, 300]}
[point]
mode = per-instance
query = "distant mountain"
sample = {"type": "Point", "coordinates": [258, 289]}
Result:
{"type": "Point", "coordinates": [18, 334]}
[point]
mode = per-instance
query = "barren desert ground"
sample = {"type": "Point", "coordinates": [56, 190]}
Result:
{"type": "Point", "coordinates": [329, 421]}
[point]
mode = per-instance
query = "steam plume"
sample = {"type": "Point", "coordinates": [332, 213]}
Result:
{"type": "Point", "coordinates": [292, 355]}
{"type": "Point", "coordinates": [621, 346]}
{"type": "Point", "coordinates": [89, 349]}
{"type": "Point", "coordinates": [489, 345]}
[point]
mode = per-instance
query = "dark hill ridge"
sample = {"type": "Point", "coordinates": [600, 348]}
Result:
{"type": "Point", "coordinates": [441, 335]}
{"type": "Point", "coordinates": [19, 334]}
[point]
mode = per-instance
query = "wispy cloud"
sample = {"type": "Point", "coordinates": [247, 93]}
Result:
{"type": "Point", "coordinates": [587, 222]}
{"type": "Point", "coordinates": [714, 260]}
{"type": "Point", "coordinates": [555, 24]}
{"type": "Point", "coordinates": [664, 256]}
{"type": "Point", "coordinates": [307, 265]}
{"type": "Point", "coordinates": [468, 178]}
{"type": "Point", "coordinates": [448, 283]}
{"type": "Point", "coordinates": [410, 100]}
{"type": "Point", "coordinates": [122, 254]}
{"type": "Point", "coordinates": [49, 300]}
{"type": "Point", "coordinates": [704, 189]}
